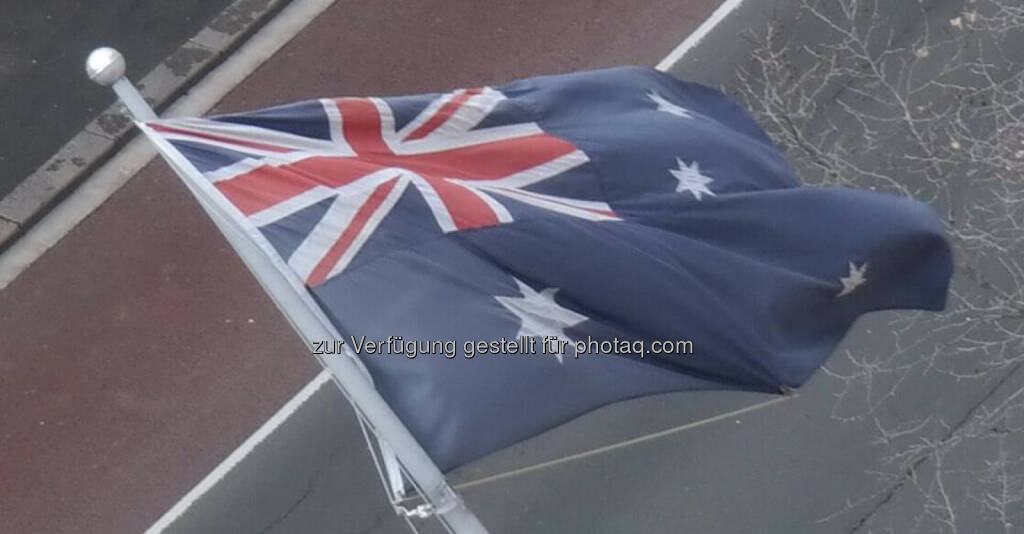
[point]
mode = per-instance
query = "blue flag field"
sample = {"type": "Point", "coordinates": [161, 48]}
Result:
{"type": "Point", "coordinates": [503, 259]}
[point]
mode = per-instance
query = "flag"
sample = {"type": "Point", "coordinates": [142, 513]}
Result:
{"type": "Point", "coordinates": [503, 259]}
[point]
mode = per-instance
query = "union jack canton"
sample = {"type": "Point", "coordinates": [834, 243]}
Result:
{"type": "Point", "coordinates": [462, 172]}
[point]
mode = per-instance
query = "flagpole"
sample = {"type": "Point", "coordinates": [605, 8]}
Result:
{"type": "Point", "coordinates": [106, 66]}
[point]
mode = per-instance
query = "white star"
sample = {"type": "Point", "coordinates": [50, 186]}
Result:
{"type": "Point", "coordinates": [540, 314]}
{"type": "Point", "coordinates": [690, 179]}
{"type": "Point", "coordinates": [854, 280]}
{"type": "Point", "coordinates": [669, 107]}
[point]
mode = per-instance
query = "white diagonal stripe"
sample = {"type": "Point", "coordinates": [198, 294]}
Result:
{"type": "Point", "coordinates": [370, 227]}
{"type": "Point", "coordinates": [426, 114]}
{"type": "Point", "coordinates": [339, 216]}
{"type": "Point", "coordinates": [470, 113]}
{"type": "Point", "coordinates": [434, 202]}
{"type": "Point", "coordinates": [499, 210]}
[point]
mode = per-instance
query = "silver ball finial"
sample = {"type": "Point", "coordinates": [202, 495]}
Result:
{"type": "Point", "coordinates": [105, 66]}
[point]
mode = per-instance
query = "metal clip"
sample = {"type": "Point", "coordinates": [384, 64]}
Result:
{"type": "Point", "coordinates": [422, 511]}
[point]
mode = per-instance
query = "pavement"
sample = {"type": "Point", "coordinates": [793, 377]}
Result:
{"type": "Point", "coordinates": [138, 352]}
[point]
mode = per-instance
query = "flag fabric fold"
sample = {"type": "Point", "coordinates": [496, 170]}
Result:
{"type": "Point", "coordinates": [621, 206]}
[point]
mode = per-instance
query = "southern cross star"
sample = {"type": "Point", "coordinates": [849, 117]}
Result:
{"type": "Point", "coordinates": [854, 280]}
{"type": "Point", "coordinates": [539, 314]}
{"type": "Point", "coordinates": [690, 179]}
{"type": "Point", "coordinates": [669, 107]}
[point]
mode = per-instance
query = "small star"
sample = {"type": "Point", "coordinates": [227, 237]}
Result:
{"type": "Point", "coordinates": [539, 314]}
{"type": "Point", "coordinates": [690, 179]}
{"type": "Point", "coordinates": [854, 280]}
{"type": "Point", "coordinates": [669, 107]}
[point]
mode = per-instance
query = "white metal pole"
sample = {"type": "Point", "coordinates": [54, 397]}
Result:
{"type": "Point", "coordinates": [106, 67]}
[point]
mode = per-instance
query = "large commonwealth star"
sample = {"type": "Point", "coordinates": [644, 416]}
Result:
{"type": "Point", "coordinates": [690, 179]}
{"type": "Point", "coordinates": [539, 314]}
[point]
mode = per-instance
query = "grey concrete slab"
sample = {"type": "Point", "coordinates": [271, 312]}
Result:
{"type": "Point", "coordinates": [7, 229]}
{"type": "Point", "coordinates": [61, 170]}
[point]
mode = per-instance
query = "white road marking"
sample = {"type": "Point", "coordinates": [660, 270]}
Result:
{"type": "Point", "coordinates": [240, 453]}
{"type": "Point", "coordinates": [677, 55]}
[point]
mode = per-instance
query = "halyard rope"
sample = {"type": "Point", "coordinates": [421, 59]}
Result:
{"type": "Point", "coordinates": [621, 444]}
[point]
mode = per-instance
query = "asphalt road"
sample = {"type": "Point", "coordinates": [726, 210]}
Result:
{"type": "Point", "coordinates": [45, 97]}
{"type": "Point", "coordinates": [138, 352]}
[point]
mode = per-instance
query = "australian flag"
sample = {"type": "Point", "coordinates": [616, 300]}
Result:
{"type": "Point", "coordinates": [619, 204]}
